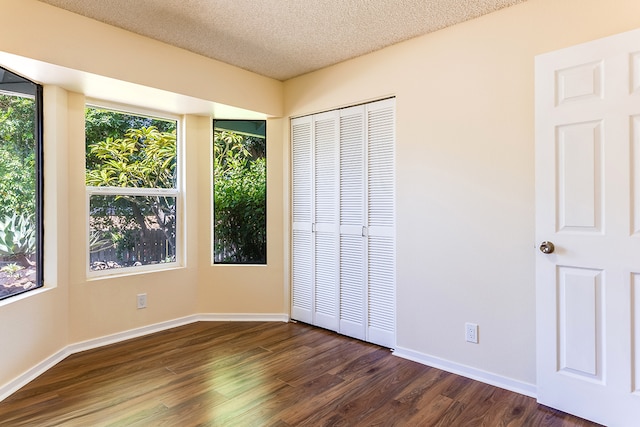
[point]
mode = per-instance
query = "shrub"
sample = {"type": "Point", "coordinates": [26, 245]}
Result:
{"type": "Point", "coordinates": [17, 239]}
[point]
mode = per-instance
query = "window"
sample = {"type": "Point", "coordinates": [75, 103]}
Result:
{"type": "Point", "coordinates": [20, 185]}
{"type": "Point", "coordinates": [132, 190]}
{"type": "Point", "coordinates": [239, 192]}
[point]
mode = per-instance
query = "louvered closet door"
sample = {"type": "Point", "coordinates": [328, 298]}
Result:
{"type": "Point", "coordinates": [381, 274]}
{"type": "Point", "coordinates": [327, 187]}
{"type": "Point", "coordinates": [344, 221]}
{"type": "Point", "coordinates": [303, 253]}
{"type": "Point", "coordinates": [353, 292]}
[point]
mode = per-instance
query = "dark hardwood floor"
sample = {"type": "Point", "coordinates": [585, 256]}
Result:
{"type": "Point", "coordinates": [261, 374]}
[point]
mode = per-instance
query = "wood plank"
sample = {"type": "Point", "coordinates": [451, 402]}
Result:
{"type": "Point", "coordinates": [261, 373]}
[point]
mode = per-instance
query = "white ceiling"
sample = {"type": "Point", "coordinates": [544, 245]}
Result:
{"type": "Point", "coordinates": [282, 38]}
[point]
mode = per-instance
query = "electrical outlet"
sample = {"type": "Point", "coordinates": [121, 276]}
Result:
{"type": "Point", "coordinates": [142, 300]}
{"type": "Point", "coordinates": [471, 332]}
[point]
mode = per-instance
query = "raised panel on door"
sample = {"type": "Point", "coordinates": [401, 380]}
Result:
{"type": "Point", "coordinates": [353, 292]}
{"type": "Point", "coordinates": [635, 172]}
{"type": "Point", "coordinates": [302, 215]}
{"type": "Point", "coordinates": [579, 154]}
{"type": "Point", "coordinates": [326, 191]}
{"type": "Point", "coordinates": [586, 203]}
{"type": "Point", "coordinates": [635, 314]}
{"type": "Point", "coordinates": [381, 274]}
{"type": "Point", "coordinates": [580, 326]}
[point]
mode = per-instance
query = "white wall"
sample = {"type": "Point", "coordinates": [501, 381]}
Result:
{"type": "Point", "coordinates": [465, 173]}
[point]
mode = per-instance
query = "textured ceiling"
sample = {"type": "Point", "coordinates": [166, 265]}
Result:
{"type": "Point", "coordinates": [282, 38]}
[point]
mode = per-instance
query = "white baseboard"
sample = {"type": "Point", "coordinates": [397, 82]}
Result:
{"type": "Point", "coordinates": [12, 386]}
{"type": "Point", "coordinates": [510, 384]}
{"type": "Point", "coordinates": [243, 317]}
{"type": "Point", "coordinates": [127, 335]}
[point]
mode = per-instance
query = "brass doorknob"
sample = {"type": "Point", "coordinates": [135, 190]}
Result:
{"type": "Point", "coordinates": [547, 247]}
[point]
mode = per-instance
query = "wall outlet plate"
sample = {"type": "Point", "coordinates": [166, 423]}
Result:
{"type": "Point", "coordinates": [141, 300]}
{"type": "Point", "coordinates": [471, 332]}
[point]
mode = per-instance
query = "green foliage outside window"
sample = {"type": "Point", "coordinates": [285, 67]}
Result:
{"type": "Point", "coordinates": [240, 225]}
{"type": "Point", "coordinates": [18, 178]}
{"type": "Point", "coordinates": [130, 151]}
{"type": "Point", "coordinates": [17, 156]}
{"type": "Point", "coordinates": [133, 151]}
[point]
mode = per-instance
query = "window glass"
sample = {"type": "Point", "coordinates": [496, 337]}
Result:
{"type": "Point", "coordinates": [20, 185]}
{"type": "Point", "coordinates": [132, 189]}
{"type": "Point", "coordinates": [240, 192]}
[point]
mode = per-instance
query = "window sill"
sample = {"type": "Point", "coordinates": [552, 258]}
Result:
{"type": "Point", "coordinates": [132, 271]}
{"type": "Point", "coordinates": [238, 265]}
{"type": "Point", "coordinates": [25, 295]}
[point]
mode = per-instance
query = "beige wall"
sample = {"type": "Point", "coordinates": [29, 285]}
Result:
{"type": "Point", "coordinates": [465, 178]}
{"type": "Point", "coordinates": [246, 289]}
{"type": "Point", "coordinates": [52, 35]}
{"type": "Point", "coordinates": [34, 325]}
{"type": "Point", "coordinates": [465, 171]}
{"type": "Point", "coordinates": [75, 57]}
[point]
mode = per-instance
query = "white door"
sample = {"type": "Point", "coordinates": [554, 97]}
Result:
{"type": "Point", "coordinates": [588, 206]}
{"type": "Point", "coordinates": [381, 248]}
{"type": "Point", "coordinates": [344, 221]}
{"type": "Point", "coordinates": [353, 253]}
{"type": "Point", "coordinates": [326, 235]}
{"type": "Point", "coordinates": [315, 219]}
{"type": "Point", "coordinates": [303, 262]}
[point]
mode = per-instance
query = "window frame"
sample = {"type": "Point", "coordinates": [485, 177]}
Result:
{"type": "Point", "coordinates": [38, 136]}
{"type": "Point", "coordinates": [213, 207]}
{"type": "Point", "coordinates": [177, 192]}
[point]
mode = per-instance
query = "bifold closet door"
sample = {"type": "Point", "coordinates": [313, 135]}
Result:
{"type": "Point", "coordinates": [353, 256]}
{"type": "Point", "coordinates": [326, 237]}
{"type": "Point", "coordinates": [315, 220]}
{"type": "Point", "coordinates": [380, 227]}
{"type": "Point", "coordinates": [303, 261]}
{"type": "Point", "coordinates": [344, 221]}
{"type": "Point", "coordinates": [367, 222]}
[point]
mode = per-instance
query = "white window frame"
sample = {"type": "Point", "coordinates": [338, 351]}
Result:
{"type": "Point", "coordinates": [176, 192]}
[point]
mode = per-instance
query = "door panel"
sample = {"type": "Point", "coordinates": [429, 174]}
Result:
{"type": "Point", "coordinates": [326, 185]}
{"type": "Point", "coordinates": [381, 274]}
{"type": "Point", "coordinates": [353, 256]}
{"type": "Point", "coordinates": [353, 295]}
{"type": "Point", "coordinates": [587, 145]}
{"type": "Point", "coordinates": [579, 188]}
{"type": "Point", "coordinates": [580, 83]}
{"type": "Point", "coordinates": [635, 171]}
{"type": "Point", "coordinates": [302, 212]}
{"type": "Point", "coordinates": [635, 72]}
{"type": "Point", "coordinates": [302, 277]}
{"type": "Point", "coordinates": [635, 312]}
{"type": "Point", "coordinates": [580, 322]}
{"type": "Point", "coordinates": [326, 283]}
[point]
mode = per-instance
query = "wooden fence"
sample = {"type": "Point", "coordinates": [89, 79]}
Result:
{"type": "Point", "coordinates": [154, 249]}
